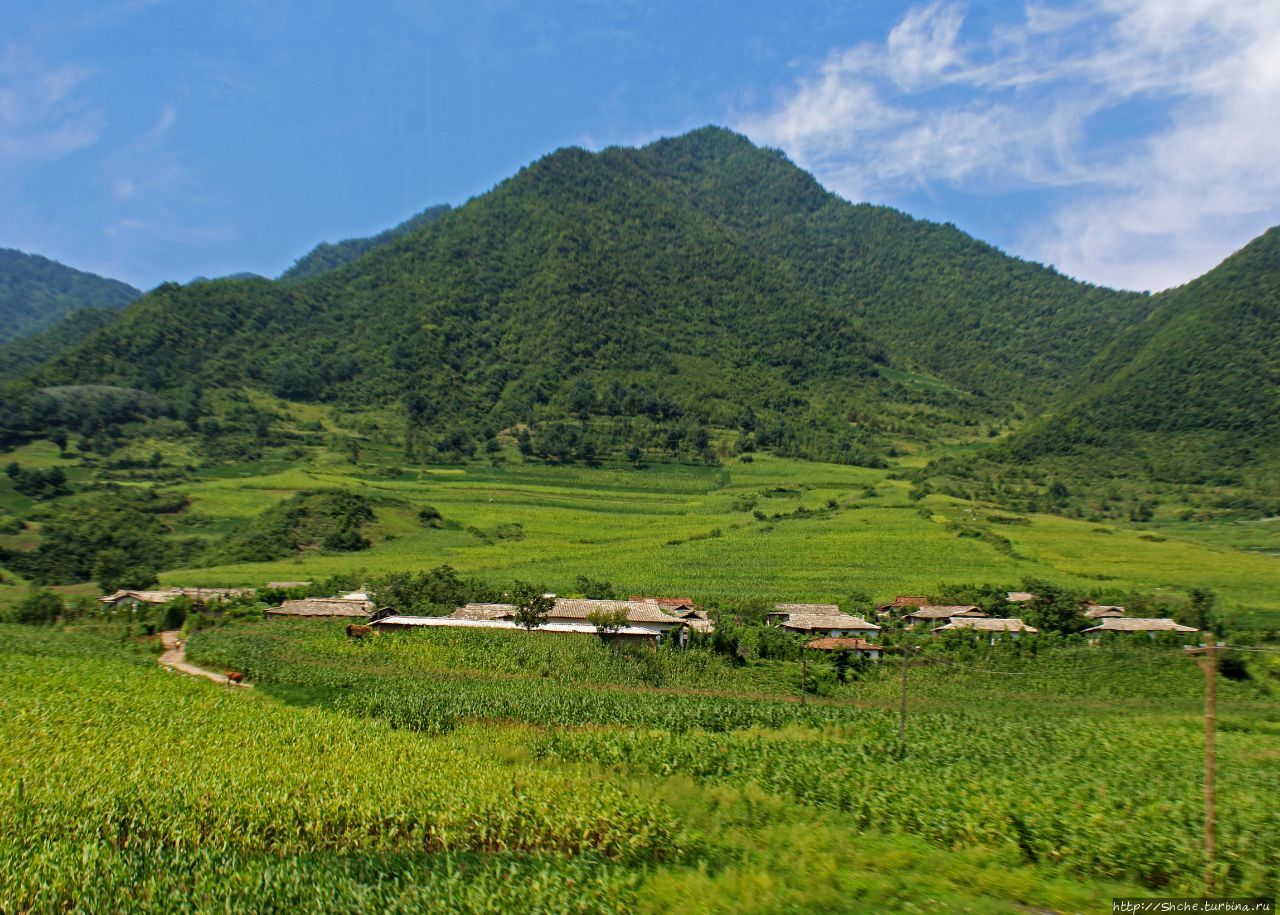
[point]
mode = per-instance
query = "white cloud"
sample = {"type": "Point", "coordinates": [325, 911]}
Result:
{"type": "Point", "coordinates": [43, 114]}
{"type": "Point", "coordinates": [1157, 121]}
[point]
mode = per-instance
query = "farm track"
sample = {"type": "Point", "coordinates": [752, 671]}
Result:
{"type": "Point", "coordinates": [174, 658]}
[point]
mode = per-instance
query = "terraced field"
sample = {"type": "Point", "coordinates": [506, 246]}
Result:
{"type": "Point", "coordinates": [822, 533]}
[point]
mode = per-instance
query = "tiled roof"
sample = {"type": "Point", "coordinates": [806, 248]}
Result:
{"type": "Point", "coordinates": [415, 622]}
{"type": "Point", "coordinates": [323, 606]}
{"type": "Point", "coordinates": [638, 611]}
{"type": "Point", "coordinates": [944, 612]}
{"type": "Point", "coordinates": [807, 622]}
{"type": "Point", "coordinates": [828, 609]}
{"type": "Point", "coordinates": [1133, 624]}
{"type": "Point", "coordinates": [842, 644]}
{"type": "Point", "coordinates": [986, 624]}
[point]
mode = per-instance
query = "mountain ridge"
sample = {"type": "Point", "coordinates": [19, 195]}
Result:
{"type": "Point", "coordinates": [36, 292]}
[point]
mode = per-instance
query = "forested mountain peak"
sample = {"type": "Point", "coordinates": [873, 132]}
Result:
{"type": "Point", "coordinates": [699, 276]}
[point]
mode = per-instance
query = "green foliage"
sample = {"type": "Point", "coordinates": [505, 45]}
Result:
{"type": "Point", "coordinates": [116, 537]}
{"type": "Point", "coordinates": [35, 293]}
{"type": "Point", "coordinates": [532, 605]}
{"type": "Point", "coordinates": [312, 519]}
{"type": "Point", "coordinates": [440, 590]}
{"type": "Point", "coordinates": [1053, 608]}
{"type": "Point", "coordinates": [596, 589]}
{"type": "Point", "coordinates": [37, 483]}
{"type": "Point", "coordinates": [1182, 402]}
{"type": "Point", "coordinates": [40, 606]}
{"type": "Point", "coordinates": [608, 622]}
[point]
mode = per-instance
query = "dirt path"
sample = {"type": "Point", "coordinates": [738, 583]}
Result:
{"type": "Point", "coordinates": [174, 658]}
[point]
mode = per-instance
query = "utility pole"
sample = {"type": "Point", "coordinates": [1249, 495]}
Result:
{"type": "Point", "coordinates": [1208, 661]}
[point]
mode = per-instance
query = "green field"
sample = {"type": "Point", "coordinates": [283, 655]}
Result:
{"type": "Point", "coordinates": [490, 772]}
{"type": "Point", "coordinates": [688, 529]}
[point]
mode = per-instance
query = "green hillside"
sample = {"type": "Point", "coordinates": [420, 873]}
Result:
{"type": "Point", "coordinates": [939, 300]}
{"type": "Point", "coordinates": [328, 256]}
{"type": "Point", "coordinates": [35, 293]}
{"type": "Point", "coordinates": [699, 291]}
{"type": "Point", "coordinates": [24, 355]}
{"type": "Point", "coordinates": [1185, 403]}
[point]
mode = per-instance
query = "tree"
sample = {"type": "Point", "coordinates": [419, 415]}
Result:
{"type": "Point", "coordinates": [608, 622]}
{"type": "Point", "coordinates": [1053, 609]}
{"type": "Point", "coordinates": [1199, 612]}
{"type": "Point", "coordinates": [532, 606]}
{"type": "Point", "coordinates": [582, 397]}
{"type": "Point", "coordinates": [596, 588]}
{"type": "Point", "coordinates": [59, 438]}
{"type": "Point", "coordinates": [38, 607]}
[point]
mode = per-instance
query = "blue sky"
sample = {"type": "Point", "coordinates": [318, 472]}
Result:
{"type": "Point", "coordinates": [1128, 142]}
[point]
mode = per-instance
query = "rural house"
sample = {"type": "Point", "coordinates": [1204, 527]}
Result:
{"type": "Point", "coordinates": [323, 608]}
{"type": "Point", "coordinates": [1133, 624]}
{"type": "Point", "coordinates": [934, 614]}
{"type": "Point", "coordinates": [130, 600]}
{"type": "Point", "coordinates": [682, 608]}
{"type": "Point", "coordinates": [1019, 597]}
{"type": "Point", "coordinates": [812, 619]}
{"type": "Point", "coordinates": [1100, 611]}
{"type": "Point", "coordinates": [992, 628]}
{"type": "Point", "coordinates": [642, 614]}
{"type": "Point", "coordinates": [633, 635]}
{"type": "Point", "coordinates": [900, 603]}
{"type": "Point", "coordinates": [859, 648]}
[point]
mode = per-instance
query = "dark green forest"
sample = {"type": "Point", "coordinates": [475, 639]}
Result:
{"type": "Point", "coordinates": [36, 293]}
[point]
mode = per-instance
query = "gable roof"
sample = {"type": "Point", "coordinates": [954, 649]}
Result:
{"type": "Point", "coordinates": [814, 609]}
{"type": "Point", "coordinates": [1019, 597]}
{"type": "Point", "coordinates": [807, 622]}
{"type": "Point", "coordinates": [1136, 624]}
{"type": "Point", "coordinates": [638, 611]}
{"type": "Point", "coordinates": [932, 612]}
{"type": "Point", "coordinates": [1102, 611]}
{"type": "Point", "coordinates": [167, 594]}
{"type": "Point", "coordinates": [846, 644]}
{"type": "Point", "coordinates": [907, 600]}
{"type": "Point", "coordinates": [323, 607]}
{"type": "Point", "coordinates": [669, 604]}
{"type": "Point", "coordinates": [416, 622]}
{"type": "Point", "coordinates": [987, 624]}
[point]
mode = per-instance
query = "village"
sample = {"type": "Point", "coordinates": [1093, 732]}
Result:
{"type": "Point", "coordinates": [652, 621]}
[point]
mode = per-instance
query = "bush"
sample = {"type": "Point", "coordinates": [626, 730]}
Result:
{"type": "Point", "coordinates": [39, 607]}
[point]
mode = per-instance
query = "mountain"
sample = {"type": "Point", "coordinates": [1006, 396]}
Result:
{"type": "Point", "coordinates": [325, 256]}
{"type": "Point", "coordinates": [696, 282]}
{"type": "Point", "coordinates": [36, 292]}
{"type": "Point", "coordinates": [939, 299]}
{"type": "Point", "coordinates": [25, 354]}
{"type": "Point", "coordinates": [1189, 397]}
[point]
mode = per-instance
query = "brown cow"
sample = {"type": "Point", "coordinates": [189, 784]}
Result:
{"type": "Point", "coordinates": [355, 631]}
{"type": "Point", "coordinates": [234, 677]}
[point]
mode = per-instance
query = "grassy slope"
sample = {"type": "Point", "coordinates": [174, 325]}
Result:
{"type": "Point", "coordinates": [617, 523]}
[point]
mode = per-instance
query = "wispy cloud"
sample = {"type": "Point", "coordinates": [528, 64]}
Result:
{"type": "Point", "coordinates": [1154, 121]}
{"type": "Point", "coordinates": [43, 113]}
